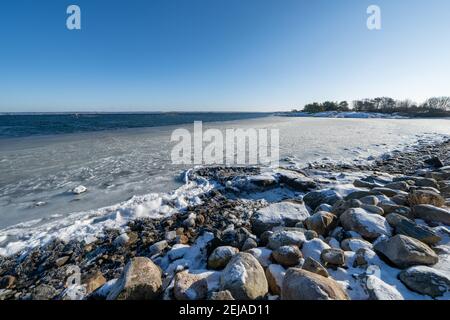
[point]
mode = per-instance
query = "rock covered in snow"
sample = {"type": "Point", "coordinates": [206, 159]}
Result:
{"type": "Point", "coordinates": [284, 213]}
{"type": "Point", "coordinates": [296, 181]}
{"type": "Point", "coordinates": [140, 280]}
{"type": "Point", "coordinates": [287, 256]}
{"type": "Point", "coordinates": [285, 238]}
{"type": "Point", "coordinates": [79, 190]}
{"type": "Point", "coordinates": [334, 257]}
{"type": "Point", "coordinates": [193, 285]}
{"type": "Point", "coordinates": [411, 229]}
{"type": "Point", "coordinates": [300, 284]}
{"type": "Point", "coordinates": [275, 275]}
{"type": "Point", "coordinates": [314, 266]}
{"type": "Point", "coordinates": [220, 257]}
{"type": "Point", "coordinates": [263, 180]}
{"type": "Point", "coordinates": [405, 251]}
{"type": "Point", "coordinates": [432, 213]}
{"type": "Point", "coordinates": [244, 278]}
{"type": "Point", "coordinates": [321, 222]}
{"type": "Point", "coordinates": [250, 243]}
{"type": "Point", "coordinates": [158, 247]}
{"type": "Point", "coordinates": [370, 200]}
{"type": "Point", "coordinates": [354, 244]}
{"type": "Point", "coordinates": [377, 289]}
{"type": "Point", "coordinates": [426, 280]}
{"type": "Point", "coordinates": [370, 226]}
{"type": "Point", "coordinates": [316, 198]}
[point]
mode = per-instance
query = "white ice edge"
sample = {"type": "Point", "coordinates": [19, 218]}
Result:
{"type": "Point", "coordinates": [86, 226]}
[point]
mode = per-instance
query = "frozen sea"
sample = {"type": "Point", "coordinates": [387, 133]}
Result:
{"type": "Point", "coordinates": [129, 171]}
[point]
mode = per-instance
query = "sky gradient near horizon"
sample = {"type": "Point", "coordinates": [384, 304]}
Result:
{"type": "Point", "coordinates": [218, 55]}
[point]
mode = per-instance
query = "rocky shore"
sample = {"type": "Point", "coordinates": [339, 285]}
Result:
{"type": "Point", "coordinates": [378, 231]}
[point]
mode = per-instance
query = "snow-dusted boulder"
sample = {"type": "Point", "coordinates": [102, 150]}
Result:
{"type": "Point", "coordinates": [300, 284]}
{"type": "Point", "coordinates": [195, 285]}
{"type": "Point", "coordinates": [284, 213]}
{"type": "Point", "coordinates": [426, 280]}
{"type": "Point", "coordinates": [275, 275]}
{"type": "Point", "coordinates": [316, 198]}
{"type": "Point", "coordinates": [405, 252]}
{"type": "Point", "coordinates": [244, 278]}
{"type": "Point", "coordinates": [220, 257]}
{"type": "Point", "coordinates": [285, 238]}
{"type": "Point", "coordinates": [370, 226]}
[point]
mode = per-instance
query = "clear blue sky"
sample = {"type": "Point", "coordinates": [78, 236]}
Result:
{"type": "Point", "coordinates": [215, 55]}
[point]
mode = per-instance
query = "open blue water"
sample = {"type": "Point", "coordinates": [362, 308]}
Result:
{"type": "Point", "coordinates": [24, 125]}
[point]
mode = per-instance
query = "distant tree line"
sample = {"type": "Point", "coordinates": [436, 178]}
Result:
{"type": "Point", "coordinates": [437, 106]}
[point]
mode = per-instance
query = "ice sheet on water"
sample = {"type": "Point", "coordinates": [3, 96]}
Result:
{"type": "Point", "coordinates": [87, 225]}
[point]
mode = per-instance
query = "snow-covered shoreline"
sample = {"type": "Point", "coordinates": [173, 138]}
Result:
{"type": "Point", "coordinates": [220, 207]}
{"type": "Point", "coordinates": [86, 226]}
{"type": "Point", "coordinates": [346, 115]}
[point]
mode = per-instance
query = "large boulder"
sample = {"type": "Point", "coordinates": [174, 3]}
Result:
{"type": "Point", "coordinates": [431, 213]}
{"type": "Point", "coordinates": [275, 275]}
{"type": "Point", "coordinates": [418, 181]}
{"type": "Point", "coordinates": [220, 257]}
{"type": "Point", "coordinates": [398, 185]}
{"type": "Point", "coordinates": [423, 233]}
{"type": "Point", "coordinates": [359, 194]}
{"type": "Point", "coordinates": [377, 289]}
{"type": "Point", "coordinates": [92, 281]}
{"type": "Point", "coordinates": [388, 192]}
{"type": "Point", "coordinates": [244, 278]}
{"type": "Point", "coordinates": [316, 198]}
{"type": "Point", "coordinates": [417, 197]}
{"type": "Point", "coordinates": [285, 238]}
{"type": "Point", "coordinates": [193, 285]}
{"type": "Point", "coordinates": [404, 252]}
{"type": "Point", "coordinates": [140, 280]}
{"type": "Point", "coordinates": [321, 222]}
{"type": "Point", "coordinates": [287, 256]}
{"type": "Point", "coordinates": [370, 226]}
{"type": "Point", "coordinates": [342, 205]}
{"type": "Point", "coordinates": [296, 181]}
{"type": "Point", "coordinates": [314, 266]}
{"type": "Point", "coordinates": [333, 257]}
{"type": "Point", "coordinates": [262, 181]}
{"type": "Point", "coordinates": [284, 213]}
{"type": "Point", "coordinates": [300, 284]}
{"type": "Point", "coordinates": [426, 280]}
{"type": "Point", "coordinates": [354, 244]}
